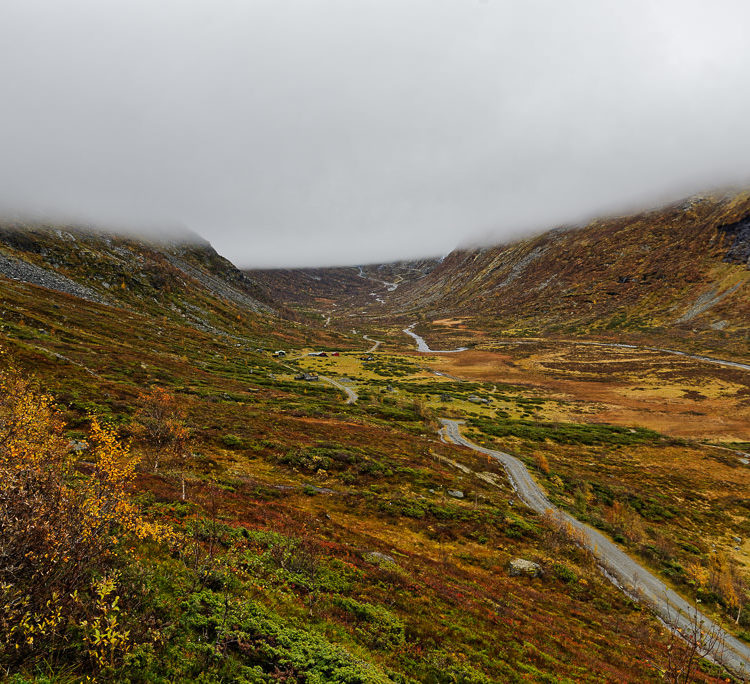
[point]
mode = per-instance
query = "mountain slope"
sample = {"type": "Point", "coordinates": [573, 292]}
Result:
{"type": "Point", "coordinates": [315, 540]}
{"type": "Point", "coordinates": [106, 263]}
{"type": "Point", "coordinates": [677, 271]}
{"type": "Point", "coordinates": [182, 279]}
{"type": "Point", "coordinates": [345, 287]}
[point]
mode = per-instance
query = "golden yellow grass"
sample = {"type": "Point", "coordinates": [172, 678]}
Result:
{"type": "Point", "coordinates": [448, 322]}
{"type": "Point", "coordinates": [676, 396]}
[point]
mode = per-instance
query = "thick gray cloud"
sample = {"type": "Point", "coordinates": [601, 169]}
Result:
{"type": "Point", "coordinates": [315, 132]}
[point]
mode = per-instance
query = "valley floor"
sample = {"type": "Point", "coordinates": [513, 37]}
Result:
{"type": "Point", "coordinates": [327, 534]}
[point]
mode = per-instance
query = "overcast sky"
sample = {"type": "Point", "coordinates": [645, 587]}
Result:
{"type": "Point", "coordinates": [317, 132]}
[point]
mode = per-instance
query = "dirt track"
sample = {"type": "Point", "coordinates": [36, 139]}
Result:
{"type": "Point", "coordinates": [618, 566]}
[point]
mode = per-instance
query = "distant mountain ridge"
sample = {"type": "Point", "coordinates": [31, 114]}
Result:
{"type": "Point", "coordinates": [347, 286]}
{"type": "Point", "coordinates": [180, 277]}
{"type": "Point", "coordinates": [679, 272]}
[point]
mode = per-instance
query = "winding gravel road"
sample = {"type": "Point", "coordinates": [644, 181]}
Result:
{"type": "Point", "coordinates": [374, 346]}
{"type": "Point", "coordinates": [663, 350]}
{"type": "Point", "coordinates": [700, 357]}
{"type": "Point", "coordinates": [351, 395]}
{"type": "Point", "coordinates": [618, 566]}
{"type": "Point", "coordinates": [676, 352]}
{"type": "Point", "coordinates": [422, 346]}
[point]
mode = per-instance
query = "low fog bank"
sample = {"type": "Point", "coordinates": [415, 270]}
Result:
{"type": "Point", "coordinates": [330, 132]}
{"type": "Point", "coordinates": [629, 207]}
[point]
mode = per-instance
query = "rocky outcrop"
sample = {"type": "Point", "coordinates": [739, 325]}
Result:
{"type": "Point", "coordinates": [739, 232]}
{"type": "Point", "coordinates": [378, 558]}
{"type": "Point", "coordinates": [707, 301]}
{"type": "Point", "coordinates": [218, 286]}
{"type": "Point", "coordinates": [521, 566]}
{"type": "Point", "coordinates": [120, 269]}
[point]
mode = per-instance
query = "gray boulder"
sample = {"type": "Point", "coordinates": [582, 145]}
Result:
{"type": "Point", "coordinates": [456, 493]}
{"type": "Point", "coordinates": [78, 446]}
{"type": "Point", "coordinates": [378, 558]}
{"type": "Point", "coordinates": [520, 566]}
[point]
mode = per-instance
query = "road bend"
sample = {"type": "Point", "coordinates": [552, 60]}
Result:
{"type": "Point", "coordinates": [617, 565]}
{"type": "Point", "coordinates": [351, 395]}
{"type": "Point", "coordinates": [374, 346]}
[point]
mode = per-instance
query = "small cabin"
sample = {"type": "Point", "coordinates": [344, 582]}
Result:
{"type": "Point", "coordinates": [309, 377]}
{"type": "Point", "coordinates": [281, 352]}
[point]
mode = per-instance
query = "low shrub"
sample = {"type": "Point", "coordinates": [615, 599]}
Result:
{"type": "Point", "coordinates": [232, 441]}
{"type": "Point", "coordinates": [564, 433]}
{"type": "Point", "coordinates": [376, 625]}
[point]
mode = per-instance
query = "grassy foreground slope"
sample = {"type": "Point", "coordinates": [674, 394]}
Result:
{"type": "Point", "coordinates": [315, 541]}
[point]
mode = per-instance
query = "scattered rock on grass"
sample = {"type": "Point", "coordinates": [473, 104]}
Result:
{"type": "Point", "coordinates": [378, 558]}
{"type": "Point", "coordinates": [520, 566]}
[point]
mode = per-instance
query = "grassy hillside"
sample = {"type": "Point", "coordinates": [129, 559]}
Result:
{"type": "Point", "coordinates": [316, 541]}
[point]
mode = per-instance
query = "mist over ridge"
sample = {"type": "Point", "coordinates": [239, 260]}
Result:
{"type": "Point", "coordinates": [328, 134]}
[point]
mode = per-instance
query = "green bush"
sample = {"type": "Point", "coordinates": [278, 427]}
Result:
{"type": "Point", "coordinates": [564, 573]}
{"type": "Point", "coordinates": [517, 527]}
{"type": "Point", "coordinates": [376, 625]}
{"type": "Point", "coordinates": [564, 433]}
{"type": "Point", "coordinates": [231, 441]}
{"type": "Point", "coordinates": [354, 463]}
{"type": "Point", "coordinates": [256, 643]}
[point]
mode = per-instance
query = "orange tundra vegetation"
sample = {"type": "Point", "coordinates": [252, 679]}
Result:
{"type": "Point", "coordinates": [317, 541]}
{"type": "Point", "coordinates": [262, 584]}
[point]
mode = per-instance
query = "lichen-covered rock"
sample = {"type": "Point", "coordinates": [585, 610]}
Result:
{"type": "Point", "coordinates": [521, 566]}
{"type": "Point", "coordinates": [378, 558]}
{"type": "Point", "coordinates": [456, 493]}
{"type": "Point", "coordinates": [739, 232]}
{"type": "Point", "coordinates": [78, 446]}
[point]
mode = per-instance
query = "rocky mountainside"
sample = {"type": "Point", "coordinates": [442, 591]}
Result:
{"type": "Point", "coordinates": [103, 263]}
{"type": "Point", "coordinates": [678, 271]}
{"type": "Point", "coordinates": [345, 287]}
{"type": "Point", "coordinates": [182, 278]}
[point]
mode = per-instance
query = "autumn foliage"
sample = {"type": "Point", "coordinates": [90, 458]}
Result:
{"type": "Point", "coordinates": [541, 462]}
{"type": "Point", "coordinates": [160, 424]}
{"type": "Point", "coordinates": [59, 530]}
{"type": "Point", "coordinates": [721, 577]}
